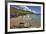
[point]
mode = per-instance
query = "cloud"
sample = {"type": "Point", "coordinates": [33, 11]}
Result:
{"type": "Point", "coordinates": [35, 12]}
{"type": "Point", "coordinates": [22, 7]}
{"type": "Point", "coordinates": [25, 8]}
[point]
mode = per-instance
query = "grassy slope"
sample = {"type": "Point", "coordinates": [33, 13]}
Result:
{"type": "Point", "coordinates": [19, 12]}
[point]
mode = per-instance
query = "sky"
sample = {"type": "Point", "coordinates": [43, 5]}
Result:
{"type": "Point", "coordinates": [34, 9]}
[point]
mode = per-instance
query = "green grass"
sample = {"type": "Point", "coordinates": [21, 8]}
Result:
{"type": "Point", "coordinates": [19, 12]}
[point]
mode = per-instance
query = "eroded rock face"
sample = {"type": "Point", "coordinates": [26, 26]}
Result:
{"type": "Point", "coordinates": [16, 22]}
{"type": "Point", "coordinates": [20, 22]}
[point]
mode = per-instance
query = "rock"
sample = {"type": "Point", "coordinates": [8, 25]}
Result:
{"type": "Point", "coordinates": [20, 22]}
{"type": "Point", "coordinates": [16, 21]}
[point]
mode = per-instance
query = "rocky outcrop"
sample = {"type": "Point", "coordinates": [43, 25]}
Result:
{"type": "Point", "coordinates": [20, 22]}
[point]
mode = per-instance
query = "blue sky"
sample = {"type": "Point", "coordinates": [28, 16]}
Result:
{"type": "Point", "coordinates": [34, 9]}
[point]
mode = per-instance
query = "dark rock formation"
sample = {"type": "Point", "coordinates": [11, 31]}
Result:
{"type": "Point", "coordinates": [13, 15]}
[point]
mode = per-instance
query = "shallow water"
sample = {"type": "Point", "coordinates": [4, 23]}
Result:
{"type": "Point", "coordinates": [35, 20]}
{"type": "Point", "coordinates": [35, 17]}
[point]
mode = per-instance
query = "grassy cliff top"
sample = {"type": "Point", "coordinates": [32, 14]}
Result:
{"type": "Point", "coordinates": [18, 11]}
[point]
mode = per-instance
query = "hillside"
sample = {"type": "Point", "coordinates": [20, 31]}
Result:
{"type": "Point", "coordinates": [18, 12]}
